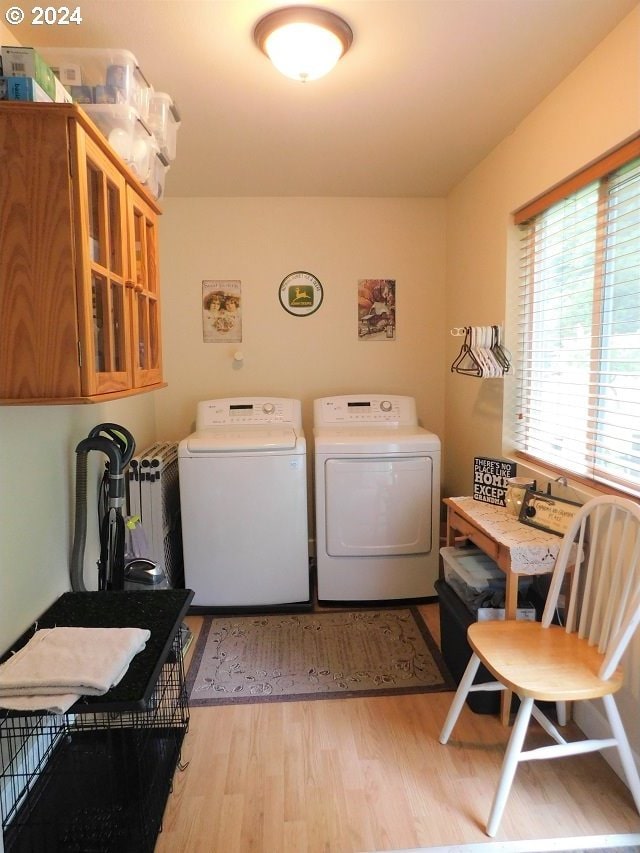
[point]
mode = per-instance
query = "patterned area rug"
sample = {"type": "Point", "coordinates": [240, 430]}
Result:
{"type": "Point", "coordinates": [326, 655]}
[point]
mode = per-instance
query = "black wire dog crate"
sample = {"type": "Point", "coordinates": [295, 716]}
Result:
{"type": "Point", "coordinates": [96, 779]}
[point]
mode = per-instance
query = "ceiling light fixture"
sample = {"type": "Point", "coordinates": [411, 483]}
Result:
{"type": "Point", "coordinates": [303, 42]}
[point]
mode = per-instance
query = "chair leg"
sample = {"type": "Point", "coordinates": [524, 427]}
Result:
{"type": "Point", "coordinates": [509, 764]}
{"type": "Point", "coordinates": [624, 750]}
{"type": "Point", "coordinates": [460, 696]}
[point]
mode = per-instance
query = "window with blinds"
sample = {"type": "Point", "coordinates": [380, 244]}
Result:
{"type": "Point", "coordinates": [578, 365]}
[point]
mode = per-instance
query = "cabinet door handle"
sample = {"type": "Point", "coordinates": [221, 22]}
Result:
{"type": "Point", "coordinates": [129, 283]}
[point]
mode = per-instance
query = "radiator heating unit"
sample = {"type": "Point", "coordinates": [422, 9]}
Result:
{"type": "Point", "coordinates": [154, 495]}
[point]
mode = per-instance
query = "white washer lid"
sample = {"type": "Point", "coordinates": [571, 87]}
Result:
{"type": "Point", "coordinates": [219, 441]}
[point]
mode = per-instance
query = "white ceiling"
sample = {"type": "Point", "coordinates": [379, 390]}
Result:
{"type": "Point", "coordinates": [427, 89]}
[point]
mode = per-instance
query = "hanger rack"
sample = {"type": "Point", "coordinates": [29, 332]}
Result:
{"type": "Point", "coordinates": [482, 353]}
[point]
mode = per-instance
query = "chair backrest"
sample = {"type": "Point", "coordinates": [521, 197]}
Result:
{"type": "Point", "coordinates": [601, 549]}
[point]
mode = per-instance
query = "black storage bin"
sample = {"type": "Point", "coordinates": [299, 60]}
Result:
{"type": "Point", "coordinates": [455, 618]}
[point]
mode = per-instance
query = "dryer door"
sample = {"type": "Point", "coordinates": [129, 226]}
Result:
{"type": "Point", "coordinates": [378, 506]}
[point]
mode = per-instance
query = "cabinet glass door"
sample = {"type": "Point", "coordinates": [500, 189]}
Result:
{"type": "Point", "coordinates": [106, 360]}
{"type": "Point", "coordinates": [147, 366]}
{"type": "Point", "coordinates": [108, 325]}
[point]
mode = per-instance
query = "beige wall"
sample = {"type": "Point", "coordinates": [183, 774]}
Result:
{"type": "Point", "coordinates": [593, 110]}
{"type": "Point", "coordinates": [37, 500]}
{"type": "Point", "coordinates": [260, 241]}
{"type": "Point", "coordinates": [6, 34]}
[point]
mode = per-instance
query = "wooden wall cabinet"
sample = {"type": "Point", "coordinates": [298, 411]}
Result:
{"type": "Point", "coordinates": [79, 289]}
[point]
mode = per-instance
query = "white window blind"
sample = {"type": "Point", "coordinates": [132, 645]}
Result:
{"type": "Point", "coordinates": [578, 365]}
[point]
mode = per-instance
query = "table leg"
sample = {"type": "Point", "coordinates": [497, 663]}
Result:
{"type": "Point", "coordinates": [450, 531]}
{"type": "Point", "coordinates": [511, 596]}
{"type": "Point", "coordinates": [505, 707]}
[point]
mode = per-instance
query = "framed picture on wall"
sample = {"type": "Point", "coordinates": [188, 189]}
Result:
{"type": "Point", "coordinates": [300, 293]}
{"type": "Point", "coordinates": [377, 309]}
{"type": "Point", "coordinates": [221, 311]}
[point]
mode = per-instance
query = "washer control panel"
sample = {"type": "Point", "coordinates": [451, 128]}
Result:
{"type": "Point", "coordinates": [249, 411]}
{"type": "Point", "coordinates": [365, 410]}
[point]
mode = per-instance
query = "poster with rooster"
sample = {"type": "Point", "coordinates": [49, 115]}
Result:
{"type": "Point", "coordinates": [377, 309]}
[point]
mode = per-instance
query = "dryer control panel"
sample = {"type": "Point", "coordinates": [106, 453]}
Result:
{"type": "Point", "coordinates": [364, 410]}
{"type": "Point", "coordinates": [249, 411]}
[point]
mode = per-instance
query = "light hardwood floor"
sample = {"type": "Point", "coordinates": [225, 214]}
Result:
{"type": "Point", "coordinates": [340, 776]}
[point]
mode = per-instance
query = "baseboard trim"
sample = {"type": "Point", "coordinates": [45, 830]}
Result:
{"type": "Point", "coordinates": [628, 842]}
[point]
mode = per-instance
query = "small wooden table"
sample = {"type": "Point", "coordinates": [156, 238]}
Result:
{"type": "Point", "coordinates": [516, 548]}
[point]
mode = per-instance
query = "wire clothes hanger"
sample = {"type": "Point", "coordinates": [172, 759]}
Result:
{"type": "Point", "coordinates": [466, 361]}
{"type": "Point", "coordinates": [482, 353]}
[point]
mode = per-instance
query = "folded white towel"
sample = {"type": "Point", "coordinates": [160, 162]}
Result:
{"type": "Point", "coordinates": [59, 704]}
{"type": "Point", "coordinates": [84, 661]}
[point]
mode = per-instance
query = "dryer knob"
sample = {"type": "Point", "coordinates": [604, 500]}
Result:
{"type": "Point", "coordinates": [386, 406]}
{"type": "Point", "coordinates": [268, 408]}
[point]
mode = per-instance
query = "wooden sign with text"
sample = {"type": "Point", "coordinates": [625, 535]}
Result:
{"type": "Point", "coordinates": [548, 513]}
{"type": "Point", "coordinates": [490, 479]}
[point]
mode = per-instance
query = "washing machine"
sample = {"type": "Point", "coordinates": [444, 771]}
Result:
{"type": "Point", "coordinates": [243, 500]}
{"type": "Point", "coordinates": [377, 492]}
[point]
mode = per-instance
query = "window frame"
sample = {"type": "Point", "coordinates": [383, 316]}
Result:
{"type": "Point", "coordinates": [596, 171]}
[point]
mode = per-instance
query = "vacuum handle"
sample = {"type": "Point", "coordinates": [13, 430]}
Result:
{"type": "Point", "coordinates": [122, 438]}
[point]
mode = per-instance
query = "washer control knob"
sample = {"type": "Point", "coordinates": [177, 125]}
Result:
{"type": "Point", "coordinates": [386, 406]}
{"type": "Point", "coordinates": [268, 408]}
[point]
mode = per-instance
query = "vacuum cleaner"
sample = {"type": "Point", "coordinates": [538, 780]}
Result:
{"type": "Point", "coordinates": [118, 445]}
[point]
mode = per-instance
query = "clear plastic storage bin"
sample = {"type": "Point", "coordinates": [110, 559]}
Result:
{"type": "Point", "coordinates": [129, 137]}
{"type": "Point", "coordinates": [472, 567]}
{"type": "Point", "coordinates": [157, 176]}
{"type": "Point", "coordinates": [94, 75]}
{"type": "Point", "coordinates": [164, 122]}
{"type": "Point", "coordinates": [479, 583]}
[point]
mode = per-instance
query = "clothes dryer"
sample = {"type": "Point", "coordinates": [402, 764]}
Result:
{"type": "Point", "coordinates": [243, 496]}
{"type": "Point", "coordinates": [377, 491]}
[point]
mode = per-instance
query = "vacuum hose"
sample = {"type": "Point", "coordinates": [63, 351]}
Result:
{"type": "Point", "coordinates": [80, 531]}
{"type": "Point", "coordinates": [119, 446]}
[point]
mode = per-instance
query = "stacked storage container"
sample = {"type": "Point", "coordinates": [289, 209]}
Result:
{"type": "Point", "coordinates": [114, 92]}
{"type": "Point", "coordinates": [164, 122]}
{"type": "Point", "coordinates": [473, 588]}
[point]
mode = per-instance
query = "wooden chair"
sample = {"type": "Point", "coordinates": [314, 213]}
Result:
{"type": "Point", "coordinates": [540, 661]}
